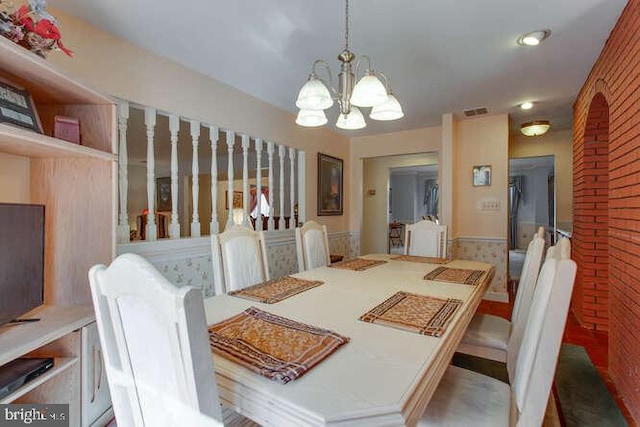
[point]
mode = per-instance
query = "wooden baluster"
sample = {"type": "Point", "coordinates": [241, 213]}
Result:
{"type": "Point", "coordinates": [301, 188]}
{"type": "Point", "coordinates": [231, 139]}
{"type": "Point", "coordinates": [258, 145]}
{"type": "Point", "coordinates": [281, 151]}
{"type": "Point", "coordinates": [270, 146]}
{"type": "Point", "coordinates": [123, 231]}
{"type": "Point", "coordinates": [245, 180]}
{"type": "Point", "coordinates": [174, 128]}
{"type": "Point", "coordinates": [195, 187]}
{"type": "Point", "coordinates": [292, 192]}
{"type": "Point", "coordinates": [150, 123]}
{"type": "Point", "coordinates": [213, 137]}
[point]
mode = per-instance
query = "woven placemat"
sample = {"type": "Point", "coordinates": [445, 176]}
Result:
{"type": "Point", "coordinates": [456, 275]}
{"type": "Point", "coordinates": [357, 264]}
{"type": "Point", "coordinates": [416, 313]}
{"type": "Point", "coordinates": [276, 290]}
{"type": "Point", "coordinates": [423, 259]}
{"type": "Point", "coordinates": [278, 348]}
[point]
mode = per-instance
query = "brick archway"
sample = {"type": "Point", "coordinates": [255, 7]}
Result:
{"type": "Point", "coordinates": [590, 240]}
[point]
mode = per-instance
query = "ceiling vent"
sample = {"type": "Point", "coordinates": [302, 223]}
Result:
{"type": "Point", "coordinates": [475, 111]}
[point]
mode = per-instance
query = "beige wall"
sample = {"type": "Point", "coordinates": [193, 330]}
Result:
{"type": "Point", "coordinates": [374, 236]}
{"type": "Point", "coordinates": [558, 144]}
{"type": "Point", "coordinates": [425, 140]}
{"type": "Point", "coordinates": [481, 141]}
{"type": "Point", "coordinates": [116, 67]}
{"type": "Point", "coordinates": [14, 179]}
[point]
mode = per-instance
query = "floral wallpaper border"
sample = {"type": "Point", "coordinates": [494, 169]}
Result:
{"type": "Point", "coordinates": [492, 251]}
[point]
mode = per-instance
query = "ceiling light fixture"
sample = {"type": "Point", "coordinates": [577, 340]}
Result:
{"type": "Point", "coordinates": [317, 95]}
{"type": "Point", "coordinates": [526, 105]}
{"type": "Point", "coordinates": [535, 128]}
{"type": "Point", "coordinates": [534, 38]}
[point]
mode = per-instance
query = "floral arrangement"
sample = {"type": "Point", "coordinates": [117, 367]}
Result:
{"type": "Point", "coordinates": [31, 26]}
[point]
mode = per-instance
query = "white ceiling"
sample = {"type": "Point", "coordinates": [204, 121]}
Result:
{"type": "Point", "coordinates": [441, 56]}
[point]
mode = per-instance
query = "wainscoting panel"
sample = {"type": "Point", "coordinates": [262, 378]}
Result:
{"type": "Point", "coordinates": [187, 262]}
{"type": "Point", "coordinates": [492, 251]}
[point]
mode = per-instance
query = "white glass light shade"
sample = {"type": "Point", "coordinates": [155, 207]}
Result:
{"type": "Point", "coordinates": [535, 128]}
{"type": "Point", "coordinates": [353, 120]}
{"type": "Point", "coordinates": [311, 118]}
{"type": "Point", "coordinates": [390, 110]}
{"type": "Point", "coordinates": [314, 95]}
{"type": "Point", "coordinates": [369, 92]}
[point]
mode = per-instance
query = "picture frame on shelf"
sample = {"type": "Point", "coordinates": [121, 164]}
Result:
{"type": "Point", "coordinates": [330, 181]}
{"type": "Point", "coordinates": [482, 176]}
{"type": "Point", "coordinates": [163, 194]}
{"type": "Point", "coordinates": [17, 107]}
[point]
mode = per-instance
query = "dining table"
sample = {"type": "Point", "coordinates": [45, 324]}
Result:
{"type": "Point", "coordinates": [383, 375]}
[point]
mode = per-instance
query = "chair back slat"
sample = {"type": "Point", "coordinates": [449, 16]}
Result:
{"type": "Point", "coordinates": [312, 246]}
{"type": "Point", "coordinates": [154, 337]}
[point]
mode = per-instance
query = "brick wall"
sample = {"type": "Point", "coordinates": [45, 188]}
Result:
{"type": "Point", "coordinates": [607, 216]}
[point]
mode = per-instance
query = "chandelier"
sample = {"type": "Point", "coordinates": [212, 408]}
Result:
{"type": "Point", "coordinates": [318, 95]}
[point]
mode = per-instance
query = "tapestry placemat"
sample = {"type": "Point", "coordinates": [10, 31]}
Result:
{"type": "Point", "coordinates": [416, 313]}
{"type": "Point", "coordinates": [424, 259]}
{"type": "Point", "coordinates": [278, 348]}
{"type": "Point", "coordinates": [456, 275]}
{"type": "Point", "coordinates": [276, 290]}
{"type": "Point", "coordinates": [357, 264]}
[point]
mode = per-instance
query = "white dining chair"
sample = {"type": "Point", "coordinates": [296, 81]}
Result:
{"type": "Point", "coordinates": [239, 257]}
{"type": "Point", "coordinates": [156, 346]}
{"type": "Point", "coordinates": [425, 238]}
{"type": "Point", "coordinates": [466, 398]}
{"type": "Point", "coordinates": [492, 337]}
{"type": "Point", "coordinates": [312, 246]}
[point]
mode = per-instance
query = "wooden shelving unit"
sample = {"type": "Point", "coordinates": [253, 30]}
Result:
{"type": "Point", "coordinates": [77, 185]}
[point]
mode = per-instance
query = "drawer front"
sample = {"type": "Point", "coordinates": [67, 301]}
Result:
{"type": "Point", "coordinates": [96, 399]}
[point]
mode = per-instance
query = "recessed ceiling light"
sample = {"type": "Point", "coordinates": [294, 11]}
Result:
{"type": "Point", "coordinates": [535, 128]}
{"type": "Point", "coordinates": [533, 38]}
{"type": "Point", "coordinates": [526, 105]}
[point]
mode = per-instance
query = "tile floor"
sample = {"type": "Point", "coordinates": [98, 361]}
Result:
{"type": "Point", "coordinates": [595, 342]}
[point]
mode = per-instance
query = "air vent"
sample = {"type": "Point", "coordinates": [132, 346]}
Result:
{"type": "Point", "coordinates": [475, 111]}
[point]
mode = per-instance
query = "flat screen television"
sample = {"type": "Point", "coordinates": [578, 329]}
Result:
{"type": "Point", "coordinates": [21, 259]}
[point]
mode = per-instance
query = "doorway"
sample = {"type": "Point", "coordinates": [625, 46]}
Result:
{"type": "Point", "coordinates": [532, 204]}
{"type": "Point", "coordinates": [394, 193]}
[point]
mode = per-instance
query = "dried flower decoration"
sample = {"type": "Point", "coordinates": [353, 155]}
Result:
{"type": "Point", "coordinates": [31, 26]}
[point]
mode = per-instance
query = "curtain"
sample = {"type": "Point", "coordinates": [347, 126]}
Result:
{"type": "Point", "coordinates": [430, 200]}
{"type": "Point", "coordinates": [516, 193]}
{"type": "Point", "coordinates": [253, 197]}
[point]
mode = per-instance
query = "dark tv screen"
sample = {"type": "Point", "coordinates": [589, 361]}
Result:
{"type": "Point", "coordinates": [21, 259]}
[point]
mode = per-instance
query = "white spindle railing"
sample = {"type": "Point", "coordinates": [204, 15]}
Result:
{"type": "Point", "coordinates": [245, 180]}
{"type": "Point", "coordinates": [150, 123]}
{"type": "Point", "coordinates": [270, 147]}
{"type": "Point", "coordinates": [195, 173]}
{"type": "Point", "coordinates": [231, 140]}
{"type": "Point", "coordinates": [258, 146]}
{"type": "Point", "coordinates": [213, 137]}
{"type": "Point", "coordinates": [174, 128]}
{"type": "Point", "coordinates": [123, 230]}
{"type": "Point", "coordinates": [292, 191]}
{"type": "Point", "coordinates": [276, 185]}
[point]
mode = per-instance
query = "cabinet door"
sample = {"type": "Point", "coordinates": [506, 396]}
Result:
{"type": "Point", "coordinates": [96, 399]}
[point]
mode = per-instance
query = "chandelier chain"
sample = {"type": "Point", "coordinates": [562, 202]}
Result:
{"type": "Point", "coordinates": [346, 24]}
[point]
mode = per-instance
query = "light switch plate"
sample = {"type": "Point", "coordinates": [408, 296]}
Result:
{"type": "Point", "coordinates": [489, 205]}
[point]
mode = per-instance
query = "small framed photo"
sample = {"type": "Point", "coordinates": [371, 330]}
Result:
{"type": "Point", "coordinates": [17, 107]}
{"type": "Point", "coordinates": [329, 185]}
{"type": "Point", "coordinates": [163, 194]}
{"type": "Point", "coordinates": [482, 176]}
{"type": "Point", "coordinates": [237, 199]}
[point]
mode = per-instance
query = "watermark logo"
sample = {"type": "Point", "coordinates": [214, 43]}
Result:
{"type": "Point", "coordinates": [34, 415]}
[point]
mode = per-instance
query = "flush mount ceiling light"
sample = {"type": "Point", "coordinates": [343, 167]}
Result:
{"type": "Point", "coordinates": [533, 38]}
{"type": "Point", "coordinates": [535, 128]}
{"type": "Point", "coordinates": [317, 95]}
{"type": "Point", "coordinates": [526, 105]}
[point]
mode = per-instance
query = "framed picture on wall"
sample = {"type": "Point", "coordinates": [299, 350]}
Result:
{"type": "Point", "coordinates": [237, 199]}
{"type": "Point", "coordinates": [163, 194]}
{"type": "Point", "coordinates": [330, 196]}
{"type": "Point", "coordinates": [482, 176]}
